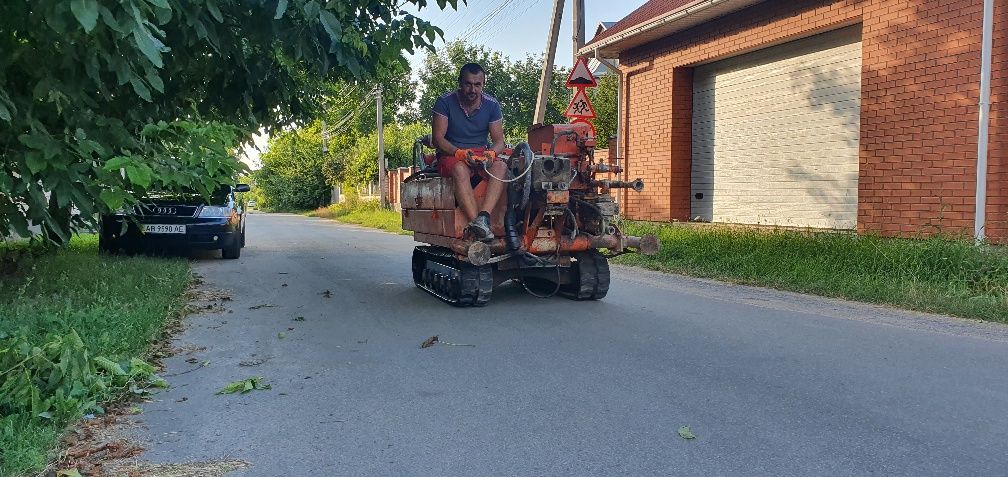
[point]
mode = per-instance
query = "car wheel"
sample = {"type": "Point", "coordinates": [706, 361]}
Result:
{"type": "Point", "coordinates": [232, 251]}
{"type": "Point", "coordinates": [105, 246]}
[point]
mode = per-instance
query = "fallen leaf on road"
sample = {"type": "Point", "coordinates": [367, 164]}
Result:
{"type": "Point", "coordinates": [427, 343]}
{"type": "Point", "coordinates": [685, 433]}
{"type": "Point", "coordinates": [244, 386]}
{"type": "Point", "coordinates": [254, 362]}
{"type": "Point", "coordinates": [281, 335]}
{"type": "Point", "coordinates": [264, 305]}
{"type": "Point", "coordinates": [284, 285]}
{"type": "Point", "coordinates": [299, 318]}
{"type": "Point", "coordinates": [327, 294]}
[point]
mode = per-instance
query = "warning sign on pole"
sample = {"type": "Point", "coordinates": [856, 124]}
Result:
{"type": "Point", "coordinates": [579, 106]}
{"type": "Point", "coordinates": [580, 76]}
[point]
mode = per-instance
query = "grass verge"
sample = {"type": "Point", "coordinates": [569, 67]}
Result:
{"type": "Point", "coordinates": [939, 274]}
{"type": "Point", "coordinates": [116, 306]}
{"type": "Point", "coordinates": [368, 213]}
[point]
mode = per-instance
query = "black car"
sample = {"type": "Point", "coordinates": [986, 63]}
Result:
{"type": "Point", "coordinates": [178, 222]}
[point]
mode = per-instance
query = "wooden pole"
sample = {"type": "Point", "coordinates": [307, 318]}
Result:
{"type": "Point", "coordinates": [546, 80]}
{"type": "Point", "coordinates": [382, 179]}
{"type": "Point", "coordinates": [579, 29]}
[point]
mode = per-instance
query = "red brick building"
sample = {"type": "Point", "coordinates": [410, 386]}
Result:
{"type": "Point", "coordinates": [812, 113]}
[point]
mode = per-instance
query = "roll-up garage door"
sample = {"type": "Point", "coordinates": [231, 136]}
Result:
{"type": "Point", "coordinates": [775, 134]}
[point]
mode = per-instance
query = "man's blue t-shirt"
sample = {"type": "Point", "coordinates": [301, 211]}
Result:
{"type": "Point", "coordinates": [468, 131]}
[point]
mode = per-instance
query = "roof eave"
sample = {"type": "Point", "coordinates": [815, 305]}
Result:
{"type": "Point", "coordinates": [687, 16]}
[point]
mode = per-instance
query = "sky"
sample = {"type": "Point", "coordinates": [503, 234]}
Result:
{"type": "Point", "coordinates": [516, 28]}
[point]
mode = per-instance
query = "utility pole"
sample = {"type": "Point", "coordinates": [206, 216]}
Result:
{"type": "Point", "coordinates": [579, 28]}
{"type": "Point", "coordinates": [546, 80]}
{"type": "Point", "coordinates": [382, 180]}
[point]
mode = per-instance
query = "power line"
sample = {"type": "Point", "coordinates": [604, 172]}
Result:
{"type": "Point", "coordinates": [515, 15]}
{"type": "Point", "coordinates": [487, 19]}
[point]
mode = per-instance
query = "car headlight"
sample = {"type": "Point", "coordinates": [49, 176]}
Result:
{"type": "Point", "coordinates": [214, 211]}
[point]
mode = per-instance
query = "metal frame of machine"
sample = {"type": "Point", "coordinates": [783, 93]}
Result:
{"type": "Point", "coordinates": [555, 231]}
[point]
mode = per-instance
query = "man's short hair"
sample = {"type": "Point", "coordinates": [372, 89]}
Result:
{"type": "Point", "coordinates": [470, 68]}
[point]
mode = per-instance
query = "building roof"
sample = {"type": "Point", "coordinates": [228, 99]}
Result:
{"type": "Point", "coordinates": [650, 10]}
{"type": "Point", "coordinates": [658, 18]}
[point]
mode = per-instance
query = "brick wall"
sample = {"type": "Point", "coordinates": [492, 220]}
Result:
{"type": "Point", "coordinates": [920, 88]}
{"type": "Point", "coordinates": [997, 181]}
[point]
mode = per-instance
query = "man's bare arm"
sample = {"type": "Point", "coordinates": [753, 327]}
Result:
{"type": "Point", "coordinates": [497, 136]}
{"type": "Point", "coordinates": [439, 127]}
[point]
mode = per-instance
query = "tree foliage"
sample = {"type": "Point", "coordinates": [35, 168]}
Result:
{"type": "Point", "coordinates": [295, 172]}
{"type": "Point", "coordinates": [604, 100]}
{"type": "Point", "coordinates": [93, 91]}
{"type": "Point", "coordinates": [362, 164]}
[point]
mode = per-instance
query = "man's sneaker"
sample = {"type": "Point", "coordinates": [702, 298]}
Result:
{"type": "Point", "coordinates": [479, 228]}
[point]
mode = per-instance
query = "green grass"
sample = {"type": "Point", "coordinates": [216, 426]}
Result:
{"type": "Point", "coordinates": [118, 306]}
{"type": "Point", "coordinates": [937, 274]}
{"type": "Point", "coordinates": [368, 213]}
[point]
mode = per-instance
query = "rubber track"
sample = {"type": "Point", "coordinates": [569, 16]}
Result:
{"type": "Point", "coordinates": [470, 286]}
{"type": "Point", "coordinates": [591, 281]}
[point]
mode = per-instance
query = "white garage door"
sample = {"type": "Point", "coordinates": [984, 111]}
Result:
{"type": "Point", "coordinates": [775, 134]}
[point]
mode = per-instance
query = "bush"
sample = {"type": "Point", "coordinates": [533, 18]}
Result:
{"type": "Point", "coordinates": [362, 166]}
{"type": "Point", "coordinates": [295, 172]}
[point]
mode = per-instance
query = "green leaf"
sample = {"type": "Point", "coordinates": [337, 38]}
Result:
{"type": "Point", "coordinates": [150, 46]}
{"type": "Point", "coordinates": [311, 8]}
{"type": "Point", "coordinates": [331, 25]}
{"type": "Point", "coordinates": [5, 113]}
{"type": "Point", "coordinates": [139, 175]}
{"type": "Point", "coordinates": [110, 21]}
{"type": "Point", "coordinates": [214, 11]}
{"type": "Point", "coordinates": [86, 12]}
{"type": "Point", "coordinates": [141, 89]}
{"type": "Point", "coordinates": [117, 163]}
{"type": "Point", "coordinates": [35, 161]}
{"type": "Point", "coordinates": [109, 366]}
{"type": "Point", "coordinates": [685, 433]}
{"type": "Point", "coordinates": [244, 386]}
{"type": "Point", "coordinates": [113, 199]}
{"type": "Point", "coordinates": [155, 80]}
{"type": "Point", "coordinates": [68, 473]}
{"type": "Point", "coordinates": [159, 3]}
{"type": "Point", "coordinates": [280, 9]}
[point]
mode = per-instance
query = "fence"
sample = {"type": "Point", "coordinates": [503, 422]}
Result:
{"type": "Point", "coordinates": [395, 178]}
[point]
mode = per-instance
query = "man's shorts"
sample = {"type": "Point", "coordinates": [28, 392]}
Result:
{"type": "Point", "coordinates": [446, 164]}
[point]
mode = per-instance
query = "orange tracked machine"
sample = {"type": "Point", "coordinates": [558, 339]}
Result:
{"type": "Point", "coordinates": [555, 231]}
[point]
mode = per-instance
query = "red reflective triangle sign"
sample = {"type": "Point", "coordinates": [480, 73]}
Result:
{"type": "Point", "coordinates": [579, 106]}
{"type": "Point", "coordinates": [580, 76]}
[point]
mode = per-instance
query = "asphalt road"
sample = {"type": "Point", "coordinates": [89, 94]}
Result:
{"type": "Point", "coordinates": [771, 383]}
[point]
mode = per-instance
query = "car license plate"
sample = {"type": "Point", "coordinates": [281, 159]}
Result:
{"type": "Point", "coordinates": [164, 228]}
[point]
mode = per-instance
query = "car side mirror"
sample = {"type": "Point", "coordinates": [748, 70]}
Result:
{"type": "Point", "coordinates": [242, 188]}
